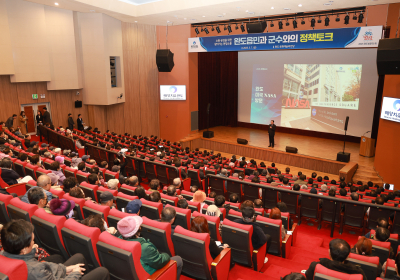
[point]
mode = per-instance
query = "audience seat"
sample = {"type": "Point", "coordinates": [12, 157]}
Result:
{"type": "Point", "coordinates": [164, 191]}
{"type": "Point", "coordinates": [89, 190]}
{"type": "Point", "coordinates": [48, 232]}
{"type": "Point", "coordinates": [171, 200]}
{"type": "Point", "coordinates": [11, 269]}
{"type": "Point", "coordinates": [93, 208]}
{"type": "Point", "coordinates": [151, 210]}
{"type": "Point", "coordinates": [233, 187]}
{"type": "Point", "coordinates": [309, 208]}
{"type": "Point", "coordinates": [250, 192]}
{"type": "Point", "coordinates": [122, 259]}
{"type": "Point", "coordinates": [70, 172]}
{"type": "Point", "coordinates": [103, 189]}
{"type": "Point", "coordinates": [274, 229]}
{"type": "Point", "coordinates": [390, 270]}
{"type": "Point", "coordinates": [270, 197]}
{"type": "Point", "coordinates": [20, 210]}
{"type": "Point", "coordinates": [213, 225]}
{"type": "Point", "coordinates": [238, 237]}
{"type": "Point", "coordinates": [322, 273]}
{"type": "Point", "coordinates": [374, 214]}
{"type": "Point", "coordinates": [327, 210]}
{"type": "Point", "coordinates": [41, 171]}
{"type": "Point", "coordinates": [79, 238]}
{"type": "Point", "coordinates": [18, 189]}
{"type": "Point", "coordinates": [380, 249]}
{"type": "Point", "coordinates": [123, 200]}
{"type": "Point", "coordinates": [233, 215]}
{"type": "Point", "coordinates": [162, 173]}
{"type": "Point", "coordinates": [194, 206]}
{"type": "Point", "coordinates": [353, 216]}
{"type": "Point", "coordinates": [182, 217]}
{"type": "Point", "coordinates": [82, 176]}
{"type": "Point", "coordinates": [111, 175]}
{"type": "Point", "coordinates": [79, 203]}
{"type": "Point", "coordinates": [30, 170]}
{"type": "Point", "coordinates": [368, 264]}
{"type": "Point", "coordinates": [57, 193]}
{"type": "Point", "coordinates": [128, 190]}
{"type": "Point", "coordinates": [20, 167]}
{"type": "Point", "coordinates": [159, 233]}
{"type": "Point", "coordinates": [291, 201]}
{"type": "Point", "coordinates": [188, 195]}
{"type": "Point", "coordinates": [194, 175]}
{"type": "Point", "coordinates": [234, 206]}
{"type": "Point", "coordinates": [216, 185]}
{"type": "Point", "coordinates": [150, 170]}
{"type": "Point", "coordinates": [4, 201]}
{"type": "Point", "coordinates": [114, 216]}
{"type": "Point", "coordinates": [193, 248]}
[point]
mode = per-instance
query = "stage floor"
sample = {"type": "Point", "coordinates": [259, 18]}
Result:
{"type": "Point", "coordinates": [306, 145]}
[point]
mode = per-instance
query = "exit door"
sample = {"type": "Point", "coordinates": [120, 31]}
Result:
{"type": "Point", "coordinates": [31, 112]}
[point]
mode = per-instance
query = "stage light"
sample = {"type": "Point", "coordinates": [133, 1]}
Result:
{"type": "Point", "coordinates": [212, 28]}
{"type": "Point", "coordinates": [202, 29]}
{"type": "Point", "coordinates": [206, 30]}
{"type": "Point", "coordinates": [327, 21]}
{"type": "Point", "coordinates": [313, 22]}
{"type": "Point", "coordinates": [346, 19]}
{"type": "Point", "coordinates": [287, 22]}
{"type": "Point", "coordinates": [360, 17]}
{"type": "Point", "coordinates": [197, 31]}
{"type": "Point", "coordinates": [280, 24]}
{"type": "Point", "coordinates": [229, 29]}
{"type": "Point", "coordinates": [218, 29]}
{"type": "Point", "coordinates": [319, 19]}
{"type": "Point", "coordinates": [303, 22]}
{"type": "Point", "coordinates": [272, 24]}
{"type": "Point", "coordinates": [236, 27]}
{"type": "Point", "coordinates": [294, 23]}
{"type": "Point", "coordinates": [225, 27]}
{"type": "Point", "coordinates": [242, 27]}
{"type": "Point", "coordinates": [337, 18]}
{"type": "Point", "coordinates": [355, 16]}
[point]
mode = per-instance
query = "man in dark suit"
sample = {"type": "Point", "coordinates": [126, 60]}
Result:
{"type": "Point", "coordinates": [79, 122]}
{"type": "Point", "coordinates": [10, 121]}
{"type": "Point", "coordinates": [46, 116]}
{"type": "Point", "coordinates": [70, 122]}
{"type": "Point", "coordinates": [271, 132]}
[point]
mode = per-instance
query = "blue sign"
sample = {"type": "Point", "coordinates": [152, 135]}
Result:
{"type": "Point", "coordinates": [352, 37]}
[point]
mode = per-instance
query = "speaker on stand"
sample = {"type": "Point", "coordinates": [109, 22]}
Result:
{"type": "Point", "coordinates": [342, 156]}
{"type": "Point", "coordinates": [208, 133]}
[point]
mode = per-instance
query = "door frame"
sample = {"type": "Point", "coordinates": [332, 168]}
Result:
{"type": "Point", "coordinates": [35, 108]}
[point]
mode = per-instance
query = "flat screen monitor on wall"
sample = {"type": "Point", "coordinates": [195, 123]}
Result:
{"type": "Point", "coordinates": [172, 92]}
{"type": "Point", "coordinates": [390, 109]}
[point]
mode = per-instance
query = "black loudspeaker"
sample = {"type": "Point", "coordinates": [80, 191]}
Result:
{"type": "Point", "coordinates": [388, 57]}
{"type": "Point", "coordinates": [165, 60]}
{"type": "Point", "coordinates": [208, 134]}
{"type": "Point", "coordinates": [343, 157]}
{"type": "Point", "coordinates": [78, 104]}
{"type": "Point", "coordinates": [242, 141]}
{"type": "Point", "coordinates": [346, 123]}
{"type": "Point", "coordinates": [208, 108]}
{"type": "Point", "coordinates": [256, 27]}
{"type": "Point", "coordinates": [292, 150]}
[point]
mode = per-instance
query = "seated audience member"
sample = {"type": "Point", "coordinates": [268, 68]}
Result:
{"type": "Point", "coordinates": [151, 259]}
{"type": "Point", "coordinates": [112, 184]}
{"type": "Point", "coordinates": [43, 182]}
{"type": "Point", "coordinates": [212, 194]}
{"type": "Point", "coordinates": [140, 192]}
{"type": "Point", "coordinates": [177, 183]}
{"type": "Point", "coordinates": [77, 192]}
{"type": "Point", "coordinates": [342, 192]}
{"type": "Point", "coordinates": [56, 169]}
{"type": "Point", "coordinates": [199, 196]}
{"type": "Point", "coordinates": [107, 199]}
{"type": "Point", "coordinates": [69, 183]}
{"type": "Point", "coordinates": [381, 222]}
{"type": "Point", "coordinates": [154, 185]}
{"type": "Point", "coordinates": [9, 176]}
{"type": "Point", "coordinates": [171, 191]}
{"type": "Point", "coordinates": [98, 221]}
{"type": "Point", "coordinates": [155, 197]}
{"type": "Point", "coordinates": [302, 179]}
{"type": "Point", "coordinates": [339, 251]}
{"type": "Point", "coordinates": [275, 214]}
{"type": "Point", "coordinates": [93, 179]}
{"type": "Point", "coordinates": [62, 207]}
{"type": "Point", "coordinates": [324, 188]}
{"type": "Point", "coordinates": [246, 203]}
{"type": "Point", "coordinates": [214, 211]}
{"type": "Point", "coordinates": [234, 197]}
{"type": "Point", "coordinates": [82, 167]}
{"type": "Point", "coordinates": [332, 193]}
{"type": "Point", "coordinates": [354, 196]}
{"type": "Point", "coordinates": [133, 207]}
{"type": "Point", "coordinates": [194, 188]}
{"type": "Point", "coordinates": [38, 196]}
{"type": "Point", "coordinates": [133, 181]}
{"type": "Point", "coordinates": [382, 235]}
{"type": "Point", "coordinates": [294, 276]}
{"type": "Point", "coordinates": [296, 187]}
{"type": "Point", "coordinates": [182, 203]}
{"type": "Point", "coordinates": [121, 178]}
{"type": "Point", "coordinates": [18, 243]}
{"type": "Point", "coordinates": [364, 247]}
{"type": "Point", "coordinates": [259, 238]}
{"type": "Point", "coordinates": [168, 215]}
{"type": "Point", "coordinates": [258, 203]}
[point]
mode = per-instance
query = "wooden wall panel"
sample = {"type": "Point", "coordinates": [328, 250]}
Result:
{"type": "Point", "coordinates": [97, 117]}
{"type": "Point", "coordinates": [8, 98]}
{"type": "Point", "coordinates": [115, 118]}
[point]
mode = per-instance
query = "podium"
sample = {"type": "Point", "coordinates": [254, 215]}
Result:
{"type": "Point", "coordinates": [367, 147]}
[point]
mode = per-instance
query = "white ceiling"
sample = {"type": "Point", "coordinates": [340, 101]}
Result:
{"type": "Point", "coordinates": [177, 12]}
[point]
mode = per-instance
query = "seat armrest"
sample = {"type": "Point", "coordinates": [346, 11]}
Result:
{"type": "Point", "coordinates": [186, 184]}
{"type": "Point", "coordinates": [294, 233]}
{"type": "Point", "coordinates": [167, 272]}
{"type": "Point", "coordinates": [258, 257]}
{"type": "Point", "coordinates": [286, 246]}
{"type": "Point", "coordinates": [221, 264]}
{"type": "Point", "coordinates": [19, 189]}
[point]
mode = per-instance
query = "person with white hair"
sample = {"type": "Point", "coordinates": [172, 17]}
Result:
{"type": "Point", "coordinates": [133, 181]}
{"type": "Point", "coordinates": [333, 188]}
{"type": "Point", "coordinates": [177, 183]}
{"type": "Point", "coordinates": [304, 187]}
{"type": "Point", "coordinates": [57, 151]}
{"type": "Point", "coordinates": [112, 184]}
{"type": "Point", "coordinates": [232, 165]}
{"type": "Point", "coordinates": [324, 188]}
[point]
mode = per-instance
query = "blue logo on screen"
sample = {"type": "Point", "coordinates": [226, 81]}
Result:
{"type": "Point", "coordinates": [194, 42]}
{"type": "Point", "coordinates": [314, 112]}
{"type": "Point", "coordinates": [173, 89]}
{"type": "Point", "coordinates": [396, 105]}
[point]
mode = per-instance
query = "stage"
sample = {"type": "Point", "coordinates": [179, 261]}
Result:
{"type": "Point", "coordinates": [313, 153]}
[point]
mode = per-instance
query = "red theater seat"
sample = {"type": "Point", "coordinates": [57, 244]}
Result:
{"type": "Point", "coordinates": [19, 189]}
{"type": "Point", "coordinates": [124, 199]}
{"type": "Point", "coordinates": [21, 210]}
{"type": "Point", "coordinates": [159, 233]}
{"type": "Point", "coordinates": [114, 216]}
{"type": "Point", "coordinates": [13, 269]}
{"type": "Point", "coordinates": [127, 190]}
{"type": "Point", "coordinates": [151, 210]}
{"type": "Point", "coordinates": [4, 201]}
{"type": "Point", "coordinates": [89, 190]}
{"type": "Point", "coordinates": [182, 217]}
{"type": "Point", "coordinates": [93, 208]}
{"type": "Point", "coordinates": [213, 225]}
{"type": "Point", "coordinates": [322, 273]}
{"type": "Point", "coordinates": [368, 264]}
{"type": "Point", "coordinates": [79, 203]}
{"type": "Point", "coordinates": [171, 200]}
{"type": "Point", "coordinates": [57, 193]}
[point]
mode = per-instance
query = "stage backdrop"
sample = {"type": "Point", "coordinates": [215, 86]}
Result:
{"type": "Point", "coordinates": [218, 76]}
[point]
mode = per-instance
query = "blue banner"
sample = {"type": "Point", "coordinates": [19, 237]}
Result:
{"type": "Point", "coordinates": [352, 37]}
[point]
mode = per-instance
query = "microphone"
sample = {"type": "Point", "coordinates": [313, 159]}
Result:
{"type": "Point", "coordinates": [366, 132]}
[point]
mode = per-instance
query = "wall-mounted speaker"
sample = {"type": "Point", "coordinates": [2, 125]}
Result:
{"type": "Point", "coordinates": [165, 60]}
{"type": "Point", "coordinates": [256, 27]}
{"type": "Point", "coordinates": [78, 104]}
{"type": "Point", "coordinates": [388, 57]}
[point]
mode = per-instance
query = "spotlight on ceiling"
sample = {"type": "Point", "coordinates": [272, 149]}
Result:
{"type": "Point", "coordinates": [287, 22]}
{"type": "Point", "coordinates": [346, 19]}
{"type": "Point", "coordinates": [355, 16]}
{"type": "Point", "coordinates": [294, 23]}
{"type": "Point", "coordinates": [272, 24]}
{"type": "Point", "coordinates": [225, 27]}
{"type": "Point", "coordinates": [280, 23]}
{"type": "Point", "coordinates": [327, 21]}
{"type": "Point", "coordinates": [302, 21]}
{"type": "Point", "coordinates": [212, 28]}
{"type": "Point", "coordinates": [242, 27]}
{"type": "Point", "coordinates": [206, 30]}
{"type": "Point", "coordinates": [313, 22]}
{"type": "Point", "coordinates": [319, 19]}
{"type": "Point", "coordinates": [218, 29]}
{"type": "Point", "coordinates": [360, 17]}
{"type": "Point", "coordinates": [202, 29]}
{"type": "Point", "coordinates": [236, 27]}
{"type": "Point", "coordinates": [197, 31]}
{"type": "Point", "coordinates": [229, 28]}
{"type": "Point", "coordinates": [337, 17]}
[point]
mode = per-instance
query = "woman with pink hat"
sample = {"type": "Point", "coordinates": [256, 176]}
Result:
{"type": "Point", "coordinates": [151, 259]}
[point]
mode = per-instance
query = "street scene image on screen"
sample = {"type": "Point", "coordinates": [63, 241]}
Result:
{"type": "Point", "coordinates": [306, 86]}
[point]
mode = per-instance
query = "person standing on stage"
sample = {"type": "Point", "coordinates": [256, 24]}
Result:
{"type": "Point", "coordinates": [271, 132]}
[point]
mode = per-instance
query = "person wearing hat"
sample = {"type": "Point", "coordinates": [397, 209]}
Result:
{"type": "Point", "coordinates": [56, 169]}
{"type": "Point", "coordinates": [199, 196]}
{"type": "Point", "coordinates": [62, 207]}
{"type": "Point", "coordinates": [66, 152]}
{"type": "Point", "coordinates": [107, 199]}
{"type": "Point", "coordinates": [44, 146]}
{"type": "Point", "coordinates": [86, 158]}
{"type": "Point", "coordinates": [133, 207]}
{"type": "Point", "coordinates": [151, 259]}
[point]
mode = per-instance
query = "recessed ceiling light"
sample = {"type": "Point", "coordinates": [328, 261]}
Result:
{"type": "Point", "coordinates": [204, 16]}
{"type": "Point", "coordinates": [286, 9]}
{"type": "Point", "coordinates": [251, 13]}
{"type": "Point", "coordinates": [247, 11]}
{"type": "Point", "coordinates": [193, 19]}
{"type": "Point", "coordinates": [327, 4]}
{"type": "Point", "coordinates": [56, 4]}
{"type": "Point", "coordinates": [92, 11]}
{"type": "Point", "coordinates": [300, 5]}
{"type": "Point", "coordinates": [184, 18]}
{"type": "Point", "coordinates": [220, 15]}
{"type": "Point", "coordinates": [135, 20]}
{"type": "Point", "coordinates": [272, 8]}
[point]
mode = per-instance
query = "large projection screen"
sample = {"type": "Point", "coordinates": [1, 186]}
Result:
{"type": "Point", "coordinates": [309, 89]}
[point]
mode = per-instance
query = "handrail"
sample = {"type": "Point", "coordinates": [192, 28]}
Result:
{"type": "Point", "coordinates": [61, 139]}
{"type": "Point", "coordinates": [265, 187]}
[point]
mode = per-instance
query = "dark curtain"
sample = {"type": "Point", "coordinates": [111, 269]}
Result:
{"type": "Point", "coordinates": [218, 85]}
